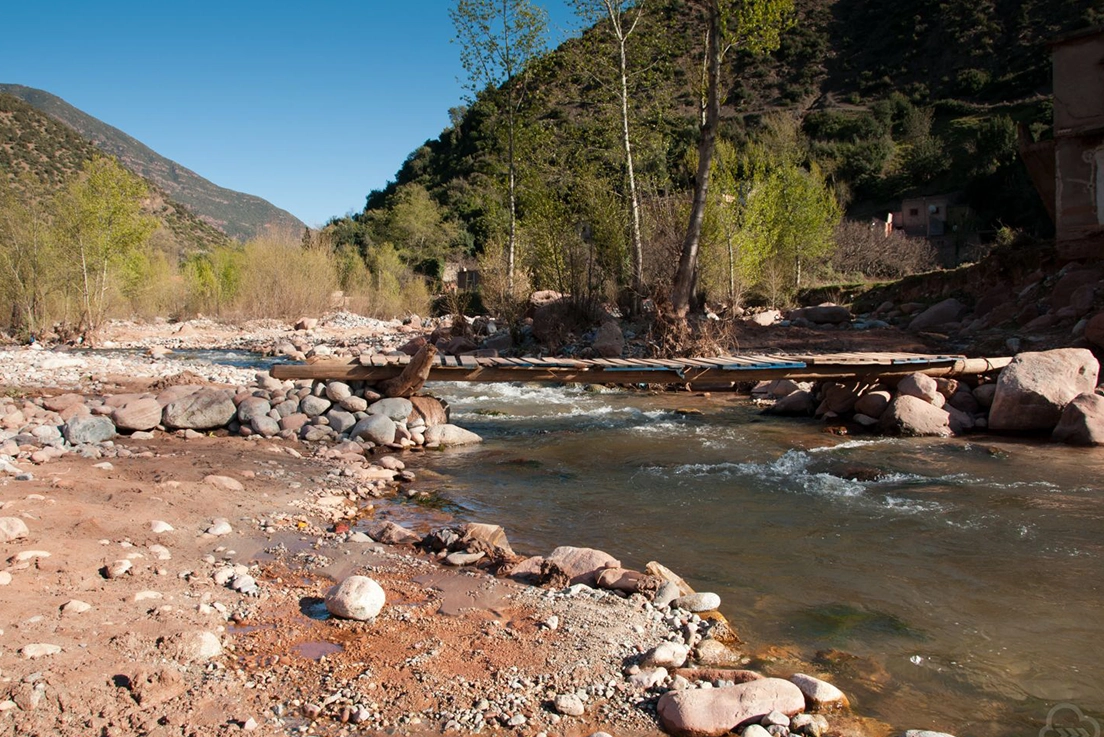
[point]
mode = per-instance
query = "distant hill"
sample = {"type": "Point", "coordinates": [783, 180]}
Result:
{"type": "Point", "coordinates": [32, 141]}
{"type": "Point", "coordinates": [239, 215]}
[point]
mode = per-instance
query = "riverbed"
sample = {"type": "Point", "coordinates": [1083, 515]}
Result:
{"type": "Point", "coordinates": [956, 584]}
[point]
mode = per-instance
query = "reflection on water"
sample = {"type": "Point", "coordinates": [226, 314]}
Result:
{"type": "Point", "coordinates": [961, 580]}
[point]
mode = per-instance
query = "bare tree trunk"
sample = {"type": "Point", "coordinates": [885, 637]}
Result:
{"type": "Point", "coordinates": [630, 172]}
{"type": "Point", "coordinates": [688, 261]}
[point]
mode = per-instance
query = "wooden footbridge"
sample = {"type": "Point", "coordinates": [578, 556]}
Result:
{"type": "Point", "coordinates": [722, 369]}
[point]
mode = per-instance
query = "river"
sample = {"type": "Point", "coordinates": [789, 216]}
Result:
{"type": "Point", "coordinates": [964, 576]}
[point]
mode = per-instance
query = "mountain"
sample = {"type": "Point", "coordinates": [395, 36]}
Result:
{"type": "Point", "coordinates": [237, 214]}
{"type": "Point", "coordinates": [32, 141]}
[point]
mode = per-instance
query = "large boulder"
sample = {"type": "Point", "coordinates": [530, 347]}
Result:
{"type": "Point", "coordinates": [712, 712]}
{"type": "Point", "coordinates": [912, 416]}
{"type": "Point", "coordinates": [1082, 421]}
{"type": "Point", "coordinates": [89, 429]}
{"type": "Point", "coordinates": [138, 415]}
{"type": "Point", "coordinates": [204, 409]}
{"type": "Point", "coordinates": [947, 311]}
{"type": "Point", "coordinates": [1033, 390]}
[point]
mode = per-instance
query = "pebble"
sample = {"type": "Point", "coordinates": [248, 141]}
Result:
{"type": "Point", "coordinates": [775, 717]}
{"type": "Point", "coordinates": [219, 527]}
{"type": "Point", "coordinates": [517, 720]}
{"type": "Point", "coordinates": [5, 578]}
{"type": "Point", "coordinates": [39, 650]}
{"type": "Point", "coordinates": [755, 730]}
{"type": "Point", "coordinates": [157, 527]}
{"type": "Point", "coordinates": [244, 584]}
{"type": "Point", "coordinates": [146, 595]}
{"type": "Point", "coordinates": [117, 568]}
{"type": "Point", "coordinates": [160, 552]}
{"type": "Point", "coordinates": [75, 606]}
{"type": "Point", "coordinates": [811, 725]}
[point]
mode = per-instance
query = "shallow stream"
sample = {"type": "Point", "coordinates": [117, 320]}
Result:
{"type": "Point", "coordinates": [964, 576]}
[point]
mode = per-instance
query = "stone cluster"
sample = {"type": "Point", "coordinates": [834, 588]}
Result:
{"type": "Point", "coordinates": [39, 430]}
{"type": "Point", "coordinates": [1047, 392]}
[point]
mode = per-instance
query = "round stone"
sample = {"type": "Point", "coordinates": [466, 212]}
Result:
{"type": "Point", "coordinates": [357, 597]}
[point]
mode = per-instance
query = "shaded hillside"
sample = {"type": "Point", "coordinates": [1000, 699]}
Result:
{"type": "Point", "coordinates": [31, 141]}
{"type": "Point", "coordinates": [239, 215]}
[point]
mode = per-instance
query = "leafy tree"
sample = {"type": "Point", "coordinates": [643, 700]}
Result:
{"type": "Point", "coordinates": [415, 223]}
{"type": "Point", "coordinates": [99, 225]}
{"type": "Point", "coordinates": [499, 40]}
{"type": "Point", "coordinates": [754, 26]}
{"type": "Point", "coordinates": [26, 251]}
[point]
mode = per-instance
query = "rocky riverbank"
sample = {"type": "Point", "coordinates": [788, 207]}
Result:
{"type": "Point", "coordinates": [174, 561]}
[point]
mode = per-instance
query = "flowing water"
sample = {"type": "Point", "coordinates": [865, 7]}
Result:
{"type": "Point", "coordinates": [962, 578]}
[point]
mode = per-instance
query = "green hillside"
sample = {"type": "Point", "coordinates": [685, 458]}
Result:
{"type": "Point", "coordinates": [890, 101]}
{"type": "Point", "coordinates": [33, 142]}
{"type": "Point", "coordinates": [239, 215]}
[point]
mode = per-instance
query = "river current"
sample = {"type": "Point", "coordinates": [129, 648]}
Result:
{"type": "Point", "coordinates": [956, 583]}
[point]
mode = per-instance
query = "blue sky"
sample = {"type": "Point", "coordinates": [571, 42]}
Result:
{"type": "Point", "coordinates": [308, 105]}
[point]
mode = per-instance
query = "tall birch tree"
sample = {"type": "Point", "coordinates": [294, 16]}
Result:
{"type": "Point", "coordinates": [623, 17]}
{"type": "Point", "coordinates": [499, 40]}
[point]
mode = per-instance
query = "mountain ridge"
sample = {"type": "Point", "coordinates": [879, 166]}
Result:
{"type": "Point", "coordinates": [238, 214]}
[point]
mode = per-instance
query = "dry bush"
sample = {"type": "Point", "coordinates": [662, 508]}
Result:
{"type": "Point", "coordinates": [864, 250]}
{"type": "Point", "coordinates": [280, 279]}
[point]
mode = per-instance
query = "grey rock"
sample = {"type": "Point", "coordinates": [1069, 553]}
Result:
{"type": "Point", "coordinates": [205, 409]}
{"type": "Point", "coordinates": [397, 408]}
{"type": "Point", "coordinates": [89, 429]}
{"type": "Point", "coordinates": [798, 403]}
{"type": "Point", "coordinates": [340, 421]}
{"type": "Point", "coordinates": [810, 725]}
{"type": "Point", "coordinates": [667, 592]}
{"type": "Point", "coordinates": [313, 406]}
{"type": "Point", "coordinates": [379, 429]}
{"type": "Point", "coordinates": [252, 407]}
{"type": "Point", "coordinates": [265, 426]}
{"type": "Point", "coordinates": [354, 404]}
